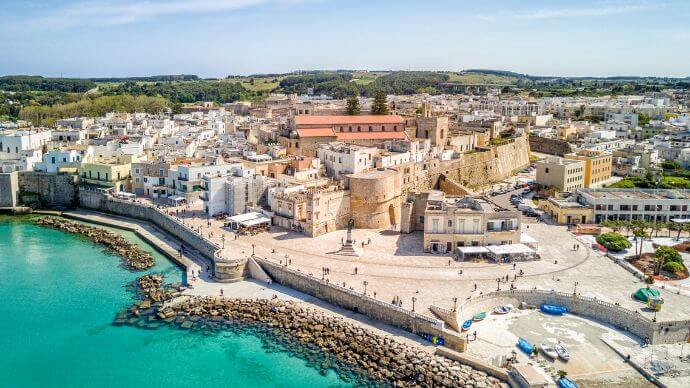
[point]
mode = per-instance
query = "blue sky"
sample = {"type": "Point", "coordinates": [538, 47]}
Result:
{"type": "Point", "coordinates": [212, 38]}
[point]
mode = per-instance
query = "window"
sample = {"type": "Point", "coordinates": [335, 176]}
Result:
{"type": "Point", "coordinates": [370, 128]}
{"type": "Point", "coordinates": [546, 170]}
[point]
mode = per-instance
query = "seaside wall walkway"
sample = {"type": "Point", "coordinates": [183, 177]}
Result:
{"type": "Point", "coordinates": [632, 321]}
{"type": "Point", "coordinates": [360, 303]}
{"type": "Point", "coordinates": [224, 269]}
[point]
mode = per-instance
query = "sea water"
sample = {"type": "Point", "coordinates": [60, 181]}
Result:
{"type": "Point", "coordinates": [59, 295]}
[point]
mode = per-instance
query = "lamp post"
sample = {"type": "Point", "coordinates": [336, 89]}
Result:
{"type": "Point", "coordinates": [253, 245]}
{"type": "Point", "coordinates": [575, 289]}
{"type": "Point", "coordinates": [498, 284]}
{"type": "Point", "coordinates": [223, 239]}
{"type": "Point", "coordinates": [455, 304]}
{"type": "Point", "coordinates": [413, 301]}
{"type": "Point", "coordinates": [365, 286]}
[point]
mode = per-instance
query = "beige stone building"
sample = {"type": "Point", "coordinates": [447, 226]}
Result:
{"type": "Point", "coordinates": [563, 174]}
{"type": "Point", "coordinates": [465, 221]}
{"type": "Point", "coordinates": [597, 166]}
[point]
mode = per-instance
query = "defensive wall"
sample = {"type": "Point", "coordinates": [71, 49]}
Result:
{"type": "Point", "coordinates": [9, 190]}
{"type": "Point", "coordinates": [545, 145]}
{"type": "Point", "coordinates": [47, 190]}
{"type": "Point", "coordinates": [628, 320]}
{"type": "Point", "coordinates": [360, 303]}
{"type": "Point", "coordinates": [474, 169]}
{"type": "Point", "coordinates": [224, 269]}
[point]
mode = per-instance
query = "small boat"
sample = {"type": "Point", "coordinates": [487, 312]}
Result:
{"type": "Point", "coordinates": [466, 325]}
{"type": "Point", "coordinates": [478, 316]}
{"type": "Point", "coordinates": [525, 346]}
{"type": "Point", "coordinates": [553, 309]}
{"type": "Point", "coordinates": [548, 351]}
{"type": "Point", "coordinates": [562, 352]}
{"type": "Point", "coordinates": [565, 382]}
{"type": "Point", "coordinates": [503, 309]}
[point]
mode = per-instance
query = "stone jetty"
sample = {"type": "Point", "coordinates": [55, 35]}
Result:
{"type": "Point", "coordinates": [381, 358]}
{"type": "Point", "coordinates": [132, 256]}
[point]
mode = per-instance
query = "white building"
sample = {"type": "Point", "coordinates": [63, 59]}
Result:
{"type": "Point", "coordinates": [54, 160]}
{"type": "Point", "coordinates": [234, 194]}
{"type": "Point", "coordinates": [340, 158]}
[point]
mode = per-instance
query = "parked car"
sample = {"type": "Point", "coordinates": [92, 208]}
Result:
{"type": "Point", "coordinates": [526, 191]}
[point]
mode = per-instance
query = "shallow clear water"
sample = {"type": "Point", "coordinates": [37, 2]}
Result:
{"type": "Point", "coordinates": [60, 294]}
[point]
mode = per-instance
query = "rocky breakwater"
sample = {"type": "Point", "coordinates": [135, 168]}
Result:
{"type": "Point", "coordinates": [379, 357]}
{"type": "Point", "coordinates": [132, 256]}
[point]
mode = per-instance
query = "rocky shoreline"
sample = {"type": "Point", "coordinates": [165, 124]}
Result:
{"type": "Point", "coordinates": [379, 357]}
{"type": "Point", "coordinates": [133, 257]}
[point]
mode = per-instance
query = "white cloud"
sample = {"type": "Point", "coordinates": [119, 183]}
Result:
{"type": "Point", "coordinates": [132, 11]}
{"type": "Point", "coordinates": [556, 13]}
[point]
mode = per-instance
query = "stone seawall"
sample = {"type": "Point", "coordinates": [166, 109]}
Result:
{"type": "Point", "coordinates": [366, 305]}
{"type": "Point", "coordinates": [225, 269]}
{"type": "Point", "coordinates": [47, 190]}
{"type": "Point", "coordinates": [592, 308]}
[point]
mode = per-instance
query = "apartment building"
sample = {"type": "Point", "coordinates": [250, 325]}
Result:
{"type": "Point", "coordinates": [597, 166]}
{"type": "Point", "coordinates": [563, 174]}
{"type": "Point", "coordinates": [465, 221]}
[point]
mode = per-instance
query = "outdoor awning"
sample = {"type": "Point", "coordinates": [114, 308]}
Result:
{"type": "Point", "coordinates": [509, 249]}
{"type": "Point", "coordinates": [527, 239]}
{"type": "Point", "coordinates": [256, 221]}
{"type": "Point", "coordinates": [471, 250]}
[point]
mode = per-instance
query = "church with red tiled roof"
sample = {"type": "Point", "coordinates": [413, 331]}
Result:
{"type": "Point", "coordinates": [310, 131]}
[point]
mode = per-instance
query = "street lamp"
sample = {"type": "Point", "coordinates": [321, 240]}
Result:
{"type": "Point", "coordinates": [575, 289]}
{"type": "Point", "coordinates": [365, 286]}
{"type": "Point", "coordinates": [223, 241]}
{"type": "Point", "coordinates": [413, 300]}
{"type": "Point", "coordinates": [455, 304]}
{"type": "Point", "coordinates": [498, 284]}
{"type": "Point", "coordinates": [253, 249]}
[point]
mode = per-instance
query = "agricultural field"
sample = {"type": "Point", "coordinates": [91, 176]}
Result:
{"type": "Point", "coordinates": [479, 78]}
{"type": "Point", "coordinates": [365, 78]}
{"type": "Point", "coordinates": [257, 84]}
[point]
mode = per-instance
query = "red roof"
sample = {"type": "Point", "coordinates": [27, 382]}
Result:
{"type": "Point", "coordinates": [346, 120]}
{"type": "Point", "coordinates": [315, 132]}
{"type": "Point", "coordinates": [370, 135]}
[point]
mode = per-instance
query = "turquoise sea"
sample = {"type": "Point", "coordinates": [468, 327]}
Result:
{"type": "Point", "coordinates": [60, 294]}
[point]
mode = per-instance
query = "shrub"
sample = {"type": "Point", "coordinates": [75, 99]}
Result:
{"type": "Point", "coordinates": [613, 241]}
{"type": "Point", "coordinates": [673, 267]}
{"type": "Point", "coordinates": [668, 254]}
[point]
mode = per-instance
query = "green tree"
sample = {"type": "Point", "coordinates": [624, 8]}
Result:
{"type": "Point", "coordinates": [353, 108]}
{"type": "Point", "coordinates": [380, 105]}
{"type": "Point", "coordinates": [613, 241]}
{"type": "Point", "coordinates": [643, 119]}
{"type": "Point", "coordinates": [177, 108]}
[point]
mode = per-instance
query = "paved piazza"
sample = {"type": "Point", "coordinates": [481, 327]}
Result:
{"type": "Point", "coordinates": [394, 264]}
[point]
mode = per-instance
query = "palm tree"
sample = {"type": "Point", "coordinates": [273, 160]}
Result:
{"type": "Point", "coordinates": [561, 373]}
{"type": "Point", "coordinates": [640, 235]}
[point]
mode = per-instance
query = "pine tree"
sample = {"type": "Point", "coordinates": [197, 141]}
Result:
{"type": "Point", "coordinates": [380, 105]}
{"type": "Point", "coordinates": [353, 108]}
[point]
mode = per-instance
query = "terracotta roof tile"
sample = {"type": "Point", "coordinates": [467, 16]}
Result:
{"type": "Point", "coordinates": [346, 120]}
{"type": "Point", "coordinates": [315, 132]}
{"type": "Point", "coordinates": [370, 135]}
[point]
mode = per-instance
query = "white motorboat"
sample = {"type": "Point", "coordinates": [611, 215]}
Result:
{"type": "Point", "coordinates": [562, 352]}
{"type": "Point", "coordinates": [549, 351]}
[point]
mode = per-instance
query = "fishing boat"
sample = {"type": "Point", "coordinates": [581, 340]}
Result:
{"type": "Point", "coordinates": [548, 351]}
{"type": "Point", "coordinates": [562, 352]}
{"type": "Point", "coordinates": [466, 325]}
{"type": "Point", "coordinates": [553, 309]}
{"type": "Point", "coordinates": [478, 317]}
{"type": "Point", "coordinates": [503, 309]}
{"type": "Point", "coordinates": [565, 382]}
{"type": "Point", "coordinates": [525, 346]}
